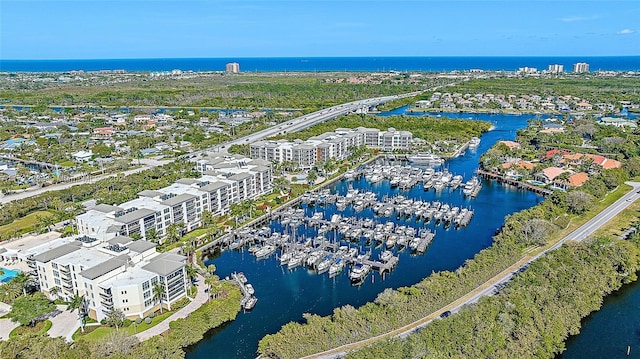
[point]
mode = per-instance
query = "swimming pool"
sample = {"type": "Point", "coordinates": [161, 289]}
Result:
{"type": "Point", "coordinates": [7, 274]}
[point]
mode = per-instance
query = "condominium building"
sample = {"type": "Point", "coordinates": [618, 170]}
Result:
{"type": "Point", "coordinates": [581, 67]}
{"type": "Point", "coordinates": [556, 68]}
{"type": "Point", "coordinates": [225, 180]}
{"type": "Point", "coordinates": [337, 144]}
{"type": "Point", "coordinates": [233, 68]}
{"type": "Point", "coordinates": [118, 274]}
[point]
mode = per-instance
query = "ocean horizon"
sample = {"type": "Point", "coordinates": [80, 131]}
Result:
{"type": "Point", "coordinates": [327, 64]}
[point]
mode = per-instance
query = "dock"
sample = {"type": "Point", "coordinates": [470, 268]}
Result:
{"type": "Point", "coordinates": [513, 182]}
{"type": "Point", "coordinates": [248, 299]}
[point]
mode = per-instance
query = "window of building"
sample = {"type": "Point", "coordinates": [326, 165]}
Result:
{"type": "Point", "coordinates": [145, 285]}
{"type": "Point", "coordinates": [147, 294]}
{"type": "Point", "coordinates": [57, 281]}
{"type": "Point", "coordinates": [125, 301]}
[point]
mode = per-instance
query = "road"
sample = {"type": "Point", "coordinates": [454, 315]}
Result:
{"type": "Point", "coordinates": [294, 125]}
{"type": "Point", "coordinates": [146, 164]}
{"type": "Point", "coordinates": [308, 120]}
{"type": "Point", "coordinates": [491, 286]}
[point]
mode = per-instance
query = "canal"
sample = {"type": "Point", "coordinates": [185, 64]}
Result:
{"type": "Point", "coordinates": [284, 295]}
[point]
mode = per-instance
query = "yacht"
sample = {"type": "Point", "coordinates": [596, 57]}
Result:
{"type": "Point", "coordinates": [359, 272]}
{"type": "Point", "coordinates": [324, 265]}
{"type": "Point", "coordinates": [456, 181]}
{"type": "Point", "coordinates": [425, 158]}
{"type": "Point", "coordinates": [472, 187]}
{"type": "Point", "coordinates": [249, 289]}
{"type": "Point", "coordinates": [250, 303]}
{"type": "Point", "coordinates": [474, 142]}
{"type": "Point", "coordinates": [336, 267]}
{"type": "Point", "coordinates": [265, 251]}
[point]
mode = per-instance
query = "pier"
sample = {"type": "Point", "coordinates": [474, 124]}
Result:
{"type": "Point", "coordinates": [513, 182]}
{"type": "Point", "coordinates": [248, 299]}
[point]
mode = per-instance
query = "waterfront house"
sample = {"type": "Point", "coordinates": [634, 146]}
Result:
{"type": "Point", "coordinates": [82, 156]}
{"type": "Point", "coordinates": [617, 122]}
{"type": "Point", "coordinates": [549, 174]}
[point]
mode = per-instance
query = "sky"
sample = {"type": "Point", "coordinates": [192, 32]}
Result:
{"type": "Point", "coordinates": [93, 29]}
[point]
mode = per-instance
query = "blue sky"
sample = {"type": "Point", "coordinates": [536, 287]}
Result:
{"type": "Point", "coordinates": [92, 29]}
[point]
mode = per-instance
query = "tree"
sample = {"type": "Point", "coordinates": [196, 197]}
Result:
{"type": "Point", "coordinates": [578, 202]}
{"type": "Point", "coordinates": [249, 205]}
{"type": "Point", "coordinates": [312, 177]}
{"type": "Point", "coordinates": [53, 292]}
{"type": "Point", "coordinates": [158, 293]}
{"type": "Point", "coordinates": [28, 309]}
{"type": "Point", "coordinates": [78, 302]}
{"type": "Point", "coordinates": [207, 218]}
{"type": "Point", "coordinates": [536, 231]}
{"type": "Point", "coordinates": [173, 231]}
{"type": "Point", "coordinates": [22, 281]}
{"type": "Point", "coordinates": [235, 211]}
{"type": "Point", "coordinates": [114, 318]}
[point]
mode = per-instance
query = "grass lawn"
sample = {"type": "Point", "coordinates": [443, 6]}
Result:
{"type": "Point", "coordinates": [24, 224]}
{"type": "Point", "coordinates": [96, 333]}
{"type": "Point", "coordinates": [39, 328]}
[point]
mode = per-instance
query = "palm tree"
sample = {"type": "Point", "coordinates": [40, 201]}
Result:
{"type": "Point", "coordinates": [236, 211]}
{"type": "Point", "coordinates": [250, 205]}
{"type": "Point", "coordinates": [158, 293]}
{"type": "Point", "coordinates": [78, 302]}
{"type": "Point", "coordinates": [22, 281]}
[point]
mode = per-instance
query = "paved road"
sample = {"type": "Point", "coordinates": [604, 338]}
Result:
{"type": "Point", "coordinates": [64, 324]}
{"type": "Point", "coordinates": [147, 163]}
{"type": "Point", "coordinates": [489, 287]}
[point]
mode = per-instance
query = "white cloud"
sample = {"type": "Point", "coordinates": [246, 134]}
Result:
{"type": "Point", "coordinates": [625, 32]}
{"type": "Point", "coordinates": [578, 18]}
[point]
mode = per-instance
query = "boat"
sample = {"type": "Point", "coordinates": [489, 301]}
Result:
{"type": "Point", "coordinates": [456, 181]}
{"type": "Point", "coordinates": [265, 251]}
{"type": "Point", "coordinates": [324, 265]}
{"type": "Point", "coordinates": [359, 272]}
{"type": "Point", "coordinates": [285, 258]}
{"type": "Point", "coordinates": [295, 260]}
{"type": "Point", "coordinates": [472, 187]}
{"type": "Point", "coordinates": [249, 288]}
{"type": "Point", "coordinates": [350, 174]}
{"type": "Point", "coordinates": [385, 256]}
{"type": "Point", "coordinates": [250, 303]}
{"type": "Point", "coordinates": [336, 267]}
{"type": "Point", "coordinates": [241, 278]}
{"type": "Point", "coordinates": [425, 158]}
{"type": "Point", "coordinates": [474, 142]}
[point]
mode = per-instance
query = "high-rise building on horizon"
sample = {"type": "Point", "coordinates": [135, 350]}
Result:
{"type": "Point", "coordinates": [233, 68]}
{"type": "Point", "coordinates": [581, 67]}
{"type": "Point", "coordinates": [556, 68]}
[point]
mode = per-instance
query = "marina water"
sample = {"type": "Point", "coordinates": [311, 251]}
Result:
{"type": "Point", "coordinates": [284, 295]}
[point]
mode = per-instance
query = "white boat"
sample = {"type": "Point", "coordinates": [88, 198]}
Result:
{"type": "Point", "coordinates": [359, 272]}
{"type": "Point", "coordinates": [285, 258]}
{"type": "Point", "coordinates": [425, 158]}
{"type": "Point", "coordinates": [456, 181]}
{"type": "Point", "coordinates": [385, 256]}
{"type": "Point", "coordinates": [295, 260]}
{"type": "Point", "coordinates": [265, 251]}
{"type": "Point", "coordinates": [241, 278]}
{"type": "Point", "coordinates": [324, 265]}
{"type": "Point", "coordinates": [336, 267]}
{"type": "Point", "coordinates": [250, 303]}
{"type": "Point", "coordinates": [474, 142]}
{"type": "Point", "coordinates": [350, 174]}
{"type": "Point", "coordinates": [249, 289]}
{"type": "Point", "coordinates": [472, 187]}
